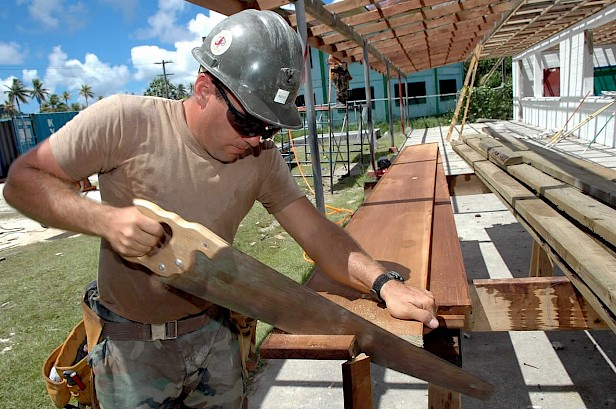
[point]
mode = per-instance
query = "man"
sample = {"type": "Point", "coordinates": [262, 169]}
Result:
{"type": "Point", "coordinates": [204, 159]}
{"type": "Point", "coordinates": [340, 75]}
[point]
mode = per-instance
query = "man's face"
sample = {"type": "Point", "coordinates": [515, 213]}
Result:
{"type": "Point", "coordinates": [237, 131]}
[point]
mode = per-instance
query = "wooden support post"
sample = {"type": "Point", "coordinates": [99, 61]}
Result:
{"type": "Point", "coordinates": [472, 67]}
{"type": "Point", "coordinates": [444, 343]}
{"type": "Point", "coordinates": [540, 263]}
{"type": "Point", "coordinates": [356, 383]}
{"type": "Point", "coordinates": [471, 87]}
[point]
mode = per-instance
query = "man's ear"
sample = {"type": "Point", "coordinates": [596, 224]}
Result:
{"type": "Point", "coordinates": [204, 86]}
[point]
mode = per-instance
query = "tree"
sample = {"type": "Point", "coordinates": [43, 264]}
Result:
{"type": "Point", "coordinates": [17, 93]}
{"type": "Point", "coordinates": [182, 93]}
{"type": "Point", "coordinates": [158, 88]}
{"type": "Point", "coordinates": [38, 92]}
{"type": "Point", "coordinates": [86, 92]}
{"type": "Point", "coordinates": [66, 96]}
{"type": "Point", "coordinates": [54, 104]}
{"type": "Point", "coordinates": [76, 106]}
{"type": "Point", "coordinates": [8, 109]}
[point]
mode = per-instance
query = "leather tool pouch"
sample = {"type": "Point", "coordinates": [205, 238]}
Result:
{"type": "Point", "coordinates": [247, 331]}
{"type": "Point", "coordinates": [70, 358]}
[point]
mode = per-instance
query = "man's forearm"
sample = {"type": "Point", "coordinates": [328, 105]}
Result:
{"type": "Point", "coordinates": [52, 201]}
{"type": "Point", "coordinates": [343, 259]}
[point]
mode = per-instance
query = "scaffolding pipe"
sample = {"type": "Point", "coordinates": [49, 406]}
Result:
{"type": "Point", "coordinates": [310, 109]}
{"type": "Point", "coordinates": [390, 106]}
{"type": "Point", "coordinates": [369, 107]}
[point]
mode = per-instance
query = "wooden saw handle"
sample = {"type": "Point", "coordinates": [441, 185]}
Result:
{"type": "Point", "coordinates": [176, 254]}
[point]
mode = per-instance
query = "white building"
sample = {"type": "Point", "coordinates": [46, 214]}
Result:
{"type": "Point", "coordinates": [552, 78]}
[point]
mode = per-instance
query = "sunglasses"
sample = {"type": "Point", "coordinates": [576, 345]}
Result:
{"type": "Point", "coordinates": [246, 125]}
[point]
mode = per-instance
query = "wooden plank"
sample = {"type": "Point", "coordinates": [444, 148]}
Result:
{"type": "Point", "coordinates": [581, 177]}
{"type": "Point", "coordinates": [591, 298]}
{"type": "Point", "coordinates": [291, 346]}
{"type": "Point", "coordinates": [467, 153]}
{"type": "Point", "coordinates": [357, 383]}
{"type": "Point", "coordinates": [591, 262]}
{"type": "Point", "coordinates": [448, 281]}
{"type": "Point", "coordinates": [443, 398]}
{"type": "Point", "coordinates": [405, 196]}
{"type": "Point", "coordinates": [530, 304]}
{"type": "Point", "coordinates": [589, 212]}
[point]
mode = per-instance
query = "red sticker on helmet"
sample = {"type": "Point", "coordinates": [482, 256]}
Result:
{"type": "Point", "coordinates": [221, 42]}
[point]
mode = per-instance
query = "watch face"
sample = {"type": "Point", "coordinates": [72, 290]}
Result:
{"type": "Point", "coordinates": [395, 276]}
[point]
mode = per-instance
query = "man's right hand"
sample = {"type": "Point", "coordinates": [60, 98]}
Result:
{"type": "Point", "coordinates": [131, 233]}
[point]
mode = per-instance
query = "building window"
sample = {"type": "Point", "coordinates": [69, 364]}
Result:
{"type": "Point", "coordinates": [447, 89]}
{"type": "Point", "coordinates": [551, 82]}
{"type": "Point", "coordinates": [359, 94]}
{"type": "Point", "coordinates": [300, 101]}
{"type": "Point", "coordinates": [416, 93]}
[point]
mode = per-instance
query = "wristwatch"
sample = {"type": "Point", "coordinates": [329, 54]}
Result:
{"type": "Point", "coordinates": [380, 282]}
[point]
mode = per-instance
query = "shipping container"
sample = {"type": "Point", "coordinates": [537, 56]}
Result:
{"type": "Point", "coordinates": [47, 123]}
{"type": "Point", "coordinates": [24, 134]}
{"type": "Point", "coordinates": [8, 147]}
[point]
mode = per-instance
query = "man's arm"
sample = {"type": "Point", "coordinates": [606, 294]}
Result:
{"type": "Point", "coordinates": [340, 257]}
{"type": "Point", "coordinates": [38, 187]}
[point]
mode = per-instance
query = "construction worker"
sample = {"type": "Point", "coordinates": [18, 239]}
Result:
{"type": "Point", "coordinates": [207, 159]}
{"type": "Point", "coordinates": [340, 76]}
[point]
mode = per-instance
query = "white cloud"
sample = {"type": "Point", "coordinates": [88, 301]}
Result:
{"type": "Point", "coordinates": [45, 11]}
{"type": "Point", "coordinates": [163, 26]}
{"type": "Point", "coordinates": [184, 67]}
{"type": "Point", "coordinates": [54, 14]}
{"type": "Point", "coordinates": [10, 53]}
{"type": "Point", "coordinates": [6, 83]}
{"type": "Point", "coordinates": [28, 76]}
{"type": "Point", "coordinates": [128, 8]}
{"type": "Point", "coordinates": [65, 74]}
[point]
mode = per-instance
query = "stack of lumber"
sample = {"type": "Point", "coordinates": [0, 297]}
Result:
{"type": "Point", "coordinates": [406, 222]}
{"type": "Point", "coordinates": [566, 204]}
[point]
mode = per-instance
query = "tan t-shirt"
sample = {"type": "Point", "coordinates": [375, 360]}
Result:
{"type": "Point", "coordinates": [141, 147]}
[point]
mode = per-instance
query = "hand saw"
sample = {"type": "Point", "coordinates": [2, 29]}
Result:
{"type": "Point", "coordinates": [197, 261]}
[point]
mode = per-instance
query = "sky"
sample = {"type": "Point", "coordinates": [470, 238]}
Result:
{"type": "Point", "coordinates": [113, 46]}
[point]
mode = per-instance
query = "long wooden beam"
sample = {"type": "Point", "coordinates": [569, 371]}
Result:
{"type": "Point", "coordinates": [588, 265]}
{"type": "Point", "coordinates": [316, 9]}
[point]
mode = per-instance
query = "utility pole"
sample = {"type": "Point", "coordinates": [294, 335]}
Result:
{"type": "Point", "coordinates": [163, 62]}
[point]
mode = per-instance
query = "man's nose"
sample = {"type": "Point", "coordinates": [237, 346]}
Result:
{"type": "Point", "coordinates": [253, 140]}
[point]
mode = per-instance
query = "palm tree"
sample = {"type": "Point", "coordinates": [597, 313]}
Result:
{"type": "Point", "coordinates": [17, 93]}
{"type": "Point", "coordinates": [8, 109]}
{"type": "Point", "coordinates": [182, 93]}
{"type": "Point", "coordinates": [53, 104]}
{"type": "Point", "coordinates": [66, 96]}
{"type": "Point", "coordinates": [38, 92]}
{"type": "Point", "coordinates": [86, 92]}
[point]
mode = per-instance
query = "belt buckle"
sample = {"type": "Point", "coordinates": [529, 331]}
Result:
{"type": "Point", "coordinates": [168, 330]}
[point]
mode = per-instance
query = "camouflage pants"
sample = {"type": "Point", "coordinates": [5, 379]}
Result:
{"type": "Point", "coordinates": [201, 369]}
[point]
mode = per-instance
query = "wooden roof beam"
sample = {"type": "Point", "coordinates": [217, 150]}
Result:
{"type": "Point", "coordinates": [316, 9]}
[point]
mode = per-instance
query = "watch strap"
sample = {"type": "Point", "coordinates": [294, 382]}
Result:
{"type": "Point", "coordinates": [380, 281]}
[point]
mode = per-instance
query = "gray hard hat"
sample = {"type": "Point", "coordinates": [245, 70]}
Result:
{"type": "Point", "coordinates": [259, 58]}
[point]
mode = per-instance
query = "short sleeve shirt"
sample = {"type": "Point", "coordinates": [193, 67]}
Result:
{"type": "Point", "coordinates": [141, 147]}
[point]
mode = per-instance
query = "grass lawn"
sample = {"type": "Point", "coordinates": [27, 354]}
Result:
{"type": "Point", "coordinates": [41, 286]}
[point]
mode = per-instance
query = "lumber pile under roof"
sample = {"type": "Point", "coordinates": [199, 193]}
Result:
{"type": "Point", "coordinates": [415, 35]}
{"type": "Point", "coordinates": [568, 205]}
